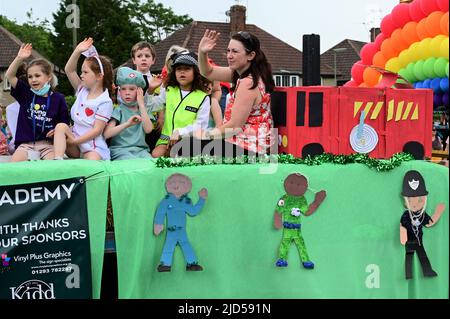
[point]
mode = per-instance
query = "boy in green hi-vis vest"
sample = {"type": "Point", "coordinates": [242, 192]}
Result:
{"type": "Point", "coordinates": [288, 213]}
{"type": "Point", "coordinates": [187, 102]}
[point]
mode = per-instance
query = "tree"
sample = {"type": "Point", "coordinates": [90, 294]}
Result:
{"type": "Point", "coordinates": [106, 21]}
{"type": "Point", "coordinates": [155, 22]}
{"type": "Point", "coordinates": [33, 31]}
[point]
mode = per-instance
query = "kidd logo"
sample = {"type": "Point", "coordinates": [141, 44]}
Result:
{"type": "Point", "coordinates": [33, 289]}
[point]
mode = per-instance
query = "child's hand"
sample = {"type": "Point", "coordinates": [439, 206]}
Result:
{"type": "Point", "coordinates": [134, 120]}
{"type": "Point", "coordinates": [50, 134]}
{"type": "Point", "coordinates": [25, 51]}
{"type": "Point", "coordinates": [140, 97]}
{"type": "Point", "coordinates": [154, 83]}
{"type": "Point", "coordinates": [159, 124]}
{"type": "Point", "coordinates": [174, 138]}
{"type": "Point", "coordinates": [208, 41]}
{"type": "Point", "coordinates": [84, 45]}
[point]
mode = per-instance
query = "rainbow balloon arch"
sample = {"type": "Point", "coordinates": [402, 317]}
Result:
{"type": "Point", "coordinates": [413, 43]}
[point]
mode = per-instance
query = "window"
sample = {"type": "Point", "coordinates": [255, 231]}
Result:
{"type": "Point", "coordinates": [279, 108]}
{"type": "Point", "coordinates": [286, 80]}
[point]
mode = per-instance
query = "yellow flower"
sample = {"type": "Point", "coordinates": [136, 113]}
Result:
{"type": "Point", "coordinates": [37, 107]}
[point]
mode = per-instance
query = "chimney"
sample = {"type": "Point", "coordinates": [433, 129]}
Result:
{"type": "Point", "coordinates": [373, 34]}
{"type": "Point", "coordinates": [237, 18]}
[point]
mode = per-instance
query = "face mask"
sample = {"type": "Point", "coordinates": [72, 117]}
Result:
{"type": "Point", "coordinates": [44, 90]}
{"type": "Point", "coordinates": [131, 104]}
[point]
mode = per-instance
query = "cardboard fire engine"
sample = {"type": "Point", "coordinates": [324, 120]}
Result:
{"type": "Point", "coordinates": [379, 122]}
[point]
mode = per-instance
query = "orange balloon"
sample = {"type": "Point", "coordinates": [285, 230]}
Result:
{"type": "Point", "coordinates": [371, 77]}
{"type": "Point", "coordinates": [433, 23]}
{"type": "Point", "coordinates": [397, 39]}
{"type": "Point", "coordinates": [409, 33]}
{"type": "Point", "coordinates": [379, 60]}
{"type": "Point", "coordinates": [363, 85]}
{"type": "Point", "coordinates": [389, 51]}
{"type": "Point", "coordinates": [444, 23]}
{"type": "Point", "coordinates": [422, 30]}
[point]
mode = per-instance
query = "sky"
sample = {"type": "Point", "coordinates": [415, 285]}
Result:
{"type": "Point", "coordinates": [333, 20]}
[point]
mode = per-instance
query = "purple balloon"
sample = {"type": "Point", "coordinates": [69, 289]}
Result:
{"type": "Point", "coordinates": [445, 100]}
{"type": "Point", "coordinates": [437, 99]}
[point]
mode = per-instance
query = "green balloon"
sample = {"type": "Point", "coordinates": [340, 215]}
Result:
{"type": "Point", "coordinates": [405, 74]}
{"type": "Point", "coordinates": [439, 67]}
{"type": "Point", "coordinates": [428, 68]}
{"type": "Point", "coordinates": [446, 70]}
{"type": "Point", "coordinates": [418, 70]}
{"type": "Point", "coordinates": [410, 68]}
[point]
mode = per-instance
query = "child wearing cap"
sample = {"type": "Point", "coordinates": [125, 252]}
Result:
{"type": "Point", "coordinates": [130, 121]}
{"type": "Point", "coordinates": [187, 102]}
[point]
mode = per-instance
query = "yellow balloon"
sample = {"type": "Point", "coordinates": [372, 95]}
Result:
{"type": "Point", "coordinates": [37, 107]}
{"type": "Point", "coordinates": [414, 52]}
{"type": "Point", "coordinates": [444, 48]}
{"type": "Point", "coordinates": [435, 45]}
{"type": "Point", "coordinates": [424, 49]}
{"type": "Point", "coordinates": [405, 58]}
{"type": "Point", "coordinates": [393, 65]}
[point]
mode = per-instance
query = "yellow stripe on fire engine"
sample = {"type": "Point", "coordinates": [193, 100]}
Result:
{"type": "Point", "coordinates": [377, 110]}
{"type": "Point", "coordinates": [367, 109]}
{"type": "Point", "coordinates": [398, 115]}
{"type": "Point", "coordinates": [415, 115]}
{"type": "Point", "coordinates": [356, 108]}
{"type": "Point", "coordinates": [408, 110]}
{"type": "Point", "coordinates": [390, 110]}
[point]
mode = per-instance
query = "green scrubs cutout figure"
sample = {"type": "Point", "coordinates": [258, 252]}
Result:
{"type": "Point", "coordinates": [288, 213]}
{"type": "Point", "coordinates": [175, 206]}
{"type": "Point", "coordinates": [413, 220]}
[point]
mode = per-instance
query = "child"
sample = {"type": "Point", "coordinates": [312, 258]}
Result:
{"type": "Point", "coordinates": [187, 103]}
{"type": "Point", "coordinates": [130, 121]}
{"type": "Point", "coordinates": [41, 109]}
{"type": "Point", "coordinates": [91, 110]}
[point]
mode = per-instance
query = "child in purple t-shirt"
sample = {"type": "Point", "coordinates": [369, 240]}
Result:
{"type": "Point", "coordinates": [40, 107]}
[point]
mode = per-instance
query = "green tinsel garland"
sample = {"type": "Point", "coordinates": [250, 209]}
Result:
{"type": "Point", "coordinates": [382, 165]}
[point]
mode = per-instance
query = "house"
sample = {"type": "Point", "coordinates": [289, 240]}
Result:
{"type": "Point", "coordinates": [286, 60]}
{"type": "Point", "coordinates": [345, 54]}
{"type": "Point", "coordinates": [9, 46]}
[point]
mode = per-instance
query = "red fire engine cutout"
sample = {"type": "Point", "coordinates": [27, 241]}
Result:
{"type": "Point", "coordinates": [378, 121]}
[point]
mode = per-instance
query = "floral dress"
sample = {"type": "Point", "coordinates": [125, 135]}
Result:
{"type": "Point", "coordinates": [256, 132]}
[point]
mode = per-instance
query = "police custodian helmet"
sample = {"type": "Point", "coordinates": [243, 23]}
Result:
{"type": "Point", "coordinates": [414, 185]}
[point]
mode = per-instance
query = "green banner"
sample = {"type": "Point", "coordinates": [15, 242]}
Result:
{"type": "Point", "coordinates": [44, 241]}
{"type": "Point", "coordinates": [97, 192]}
{"type": "Point", "coordinates": [353, 238]}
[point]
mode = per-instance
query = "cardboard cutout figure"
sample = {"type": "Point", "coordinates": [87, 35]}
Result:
{"type": "Point", "coordinates": [412, 221]}
{"type": "Point", "coordinates": [175, 206]}
{"type": "Point", "coordinates": [288, 213]}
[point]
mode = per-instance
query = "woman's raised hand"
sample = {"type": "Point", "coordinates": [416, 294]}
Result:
{"type": "Point", "coordinates": [25, 51]}
{"type": "Point", "coordinates": [208, 41]}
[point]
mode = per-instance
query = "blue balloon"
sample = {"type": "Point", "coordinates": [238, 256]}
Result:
{"type": "Point", "coordinates": [435, 85]}
{"type": "Point", "coordinates": [426, 84]}
{"type": "Point", "coordinates": [444, 84]}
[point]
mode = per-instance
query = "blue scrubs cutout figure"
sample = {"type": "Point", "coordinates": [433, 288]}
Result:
{"type": "Point", "coordinates": [175, 206]}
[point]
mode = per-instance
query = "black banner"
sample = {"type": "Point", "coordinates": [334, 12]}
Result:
{"type": "Point", "coordinates": [44, 241]}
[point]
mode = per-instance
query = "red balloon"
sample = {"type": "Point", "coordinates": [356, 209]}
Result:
{"type": "Point", "coordinates": [357, 72]}
{"type": "Point", "coordinates": [443, 5]}
{"type": "Point", "coordinates": [351, 84]}
{"type": "Point", "coordinates": [367, 53]}
{"type": "Point", "coordinates": [378, 40]}
{"type": "Point", "coordinates": [387, 25]}
{"type": "Point", "coordinates": [428, 6]}
{"type": "Point", "coordinates": [415, 11]}
{"type": "Point", "coordinates": [400, 15]}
